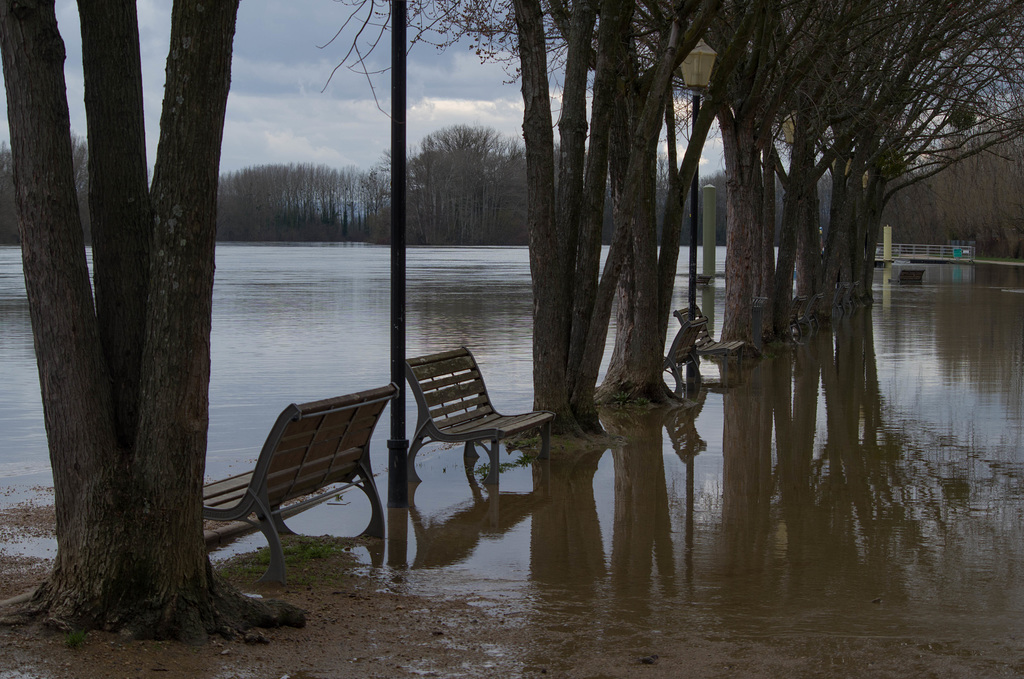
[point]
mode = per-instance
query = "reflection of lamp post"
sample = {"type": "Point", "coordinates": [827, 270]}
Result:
{"type": "Point", "coordinates": [696, 72]}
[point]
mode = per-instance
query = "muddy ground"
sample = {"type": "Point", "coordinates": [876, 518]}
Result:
{"type": "Point", "coordinates": [361, 623]}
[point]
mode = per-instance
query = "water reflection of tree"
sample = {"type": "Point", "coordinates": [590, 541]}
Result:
{"type": "Point", "coordinates": [848, 509]}
{"type": "Point", "coordinates": [566, 548]}
{"type": "Point", "coordinates": [747, 473]}
{"type": "Point", "coordinates": [642, 531]}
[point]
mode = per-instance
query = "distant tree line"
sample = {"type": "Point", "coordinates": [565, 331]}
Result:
{"type": "Point", "coordinates": [295, 202]}
{"type": "Point", "coordinates": [466, 186]}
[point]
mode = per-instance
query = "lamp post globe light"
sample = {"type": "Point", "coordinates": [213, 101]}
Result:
{"type": "Point", "coordinates": [696, 72]}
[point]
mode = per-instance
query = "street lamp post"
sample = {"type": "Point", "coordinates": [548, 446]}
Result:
{"type": "Point", "coordinates": [696, 72]}
{"type": "Point", "coordinates": [398, 444]}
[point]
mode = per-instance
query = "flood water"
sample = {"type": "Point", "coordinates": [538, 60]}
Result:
{"type": "Point", "coordinates": [865, 484]}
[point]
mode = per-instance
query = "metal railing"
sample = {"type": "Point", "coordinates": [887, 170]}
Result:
{"type": "Point", "coordinates": [937, 252]}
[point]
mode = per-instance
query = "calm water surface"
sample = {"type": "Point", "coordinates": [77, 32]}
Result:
{"type": "Point", "coordinates": [867, 483]}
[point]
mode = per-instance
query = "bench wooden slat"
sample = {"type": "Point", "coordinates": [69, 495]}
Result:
{"type": "Point", "coordinates": [461, 408]}
{"type": "Point", "coordinates": [441, 356]}
{"type": "Point", "coordinates": [333, 431]}
{"type": "Point", "coordinates": [509, 424]}
{"type": "Point", "coordinates": [455, 392]}
{"type": "Point", "coordinates": [227, 485]}
{"type": "Point", "coordinates": [447, 366]}
{"type": "Point", "coordinates": [441, 381]}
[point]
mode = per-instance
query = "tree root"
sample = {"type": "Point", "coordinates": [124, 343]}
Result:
{"type": "Point", "coordinates": [223, 611]}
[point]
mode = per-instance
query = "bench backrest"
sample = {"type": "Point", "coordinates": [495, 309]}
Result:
{"type": "Point", "coordinates": [449, 386]}
{"type": "Point", "coordinates": [812, 305]}
{"type": "Point", "coordinates": [837, 297]}
{"type": "Point", "coordinates": [686, 339]}
{"type": "Point", "coordinates": [796, 308]}
{"type": "Point", "coordinates": [316, 444]}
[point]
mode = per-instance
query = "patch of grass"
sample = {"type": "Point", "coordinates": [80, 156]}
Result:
{"type": "Point", "coordinates": [306, 560]}
{"type": "Point", "coordinates": [622, 399]}
{"type": "Point", "coordinates": [75, 639]}
{"type": "Point", "coordinates": [525, 460]}
{"type": "Point", "coordinates": [523, 442]}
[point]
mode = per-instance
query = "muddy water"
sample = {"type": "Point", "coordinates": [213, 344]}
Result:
{"type": "Point", "coordinates": [866, 484]}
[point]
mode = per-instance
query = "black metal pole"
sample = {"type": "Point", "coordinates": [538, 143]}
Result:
{"type": "Point", "coordinates": [398, 444]}
{"type": "Point", "coordinates": [691, 370]}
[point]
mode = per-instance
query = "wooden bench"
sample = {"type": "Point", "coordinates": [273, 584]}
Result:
{"type": "Point", "coordinates": [806, 316]}
{"type": "Point", "coordinates": [704, 279]}
{"type": "Point", "coordinates": [683, 351]}
{"type": "Point", "coordinates": [911, 275]}
{"type": "Point", "coordinates": [313, 451]}
{"type": "Point", "coordinates": [454, 407]}
{"type": "Point", "coordinates": [707, 346]}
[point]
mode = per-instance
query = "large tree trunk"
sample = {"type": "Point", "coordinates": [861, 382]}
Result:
{"type": "Point", "coordinates": [842, 215]}
{"type": "Point", "coordinates": [593, 289]}
{"type": "Point", "coordinates": [765, 282]}
{"type": "Point", "coordinates": [743, 222]}
{"type": "Point", "coordinates": [636, 365]}
{"type": "Point", "coordinates": [548, 268]}
{"type": "Point", "coordinates": [800, 244]}
{"type": "Point", "coordinates": [119, 207]}
{"type": "Point", "coordinates": [636, 362]}
{"type": "Point", "coordinates": [126, 417]}
{"type": "Point", "coordinates": [565, 243]}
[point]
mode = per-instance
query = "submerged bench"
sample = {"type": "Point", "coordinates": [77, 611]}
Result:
{"type": "Point", "coordinates": [683, 351]}
{"type": "Point", "coordinates": [911, 275]}
{"type": "Point", "coordinates": [454, 407]}
{"type": "Point", "coordinates": [806, 314]}
{"type": "Point", "coordinates": [314, 450]}
{"type": "Point", "coordinates": [707, 346]}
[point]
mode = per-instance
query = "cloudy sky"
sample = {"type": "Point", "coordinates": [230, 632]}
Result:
{"type": "Point", "coordinates": [285, 106]}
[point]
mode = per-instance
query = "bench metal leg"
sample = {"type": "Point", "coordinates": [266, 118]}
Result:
{"type": "Point", "coordinates": [414, 447]}
{"type": "Point", "coordinates": [545, 441]}
{"type": "Point", "coordinates": [674, 369]}
{"type": "Point", "coordinates": [268, 521]}
{"type": "Point", "coordinates": [376, 527]}
{"type": "Point", "coordinates": [469, 451]}
{"type": "Point", "coordinates": [492, 472]}
{"type": "Point", "coordinates": [275, 571]}
{"type": "Point", "coordinates": [281, 527]}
